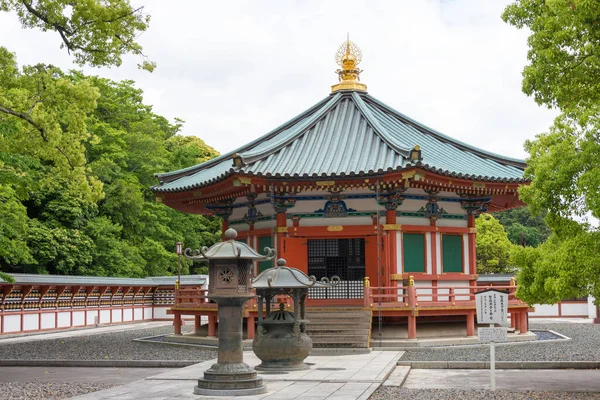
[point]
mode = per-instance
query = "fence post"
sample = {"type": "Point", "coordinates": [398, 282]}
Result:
{"type": "Point", "coordinates": [366, 292]}
{"type": "Point", "coordinates": [412, 302]}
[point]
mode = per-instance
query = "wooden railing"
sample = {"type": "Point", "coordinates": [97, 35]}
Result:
{"type": "Point", "coordinates": [191, 298]}
{"type": "Point", "coordinates": [428, 296]}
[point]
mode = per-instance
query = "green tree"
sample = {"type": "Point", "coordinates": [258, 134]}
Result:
{"type": "Point", "coordinates": [524, 228]}
{"type": "Point", "coordinates": [564, 50]}
{"type": "Point", "coordinates": [94, 32]}
{"type": "Point", "coordinates": [563, 164]}
{"type": "Point", "coordinates": [493, 246]}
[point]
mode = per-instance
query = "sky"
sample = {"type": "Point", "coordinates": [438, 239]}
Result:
{"type": "Point", "coordinates": [234, 70]}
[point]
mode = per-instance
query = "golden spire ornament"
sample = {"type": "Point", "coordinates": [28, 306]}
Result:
{"type": "Point", "coordinates": [348, 56]}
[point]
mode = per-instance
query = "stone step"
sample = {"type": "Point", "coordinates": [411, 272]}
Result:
{"type": "Point", "coordinates": [339, 327]}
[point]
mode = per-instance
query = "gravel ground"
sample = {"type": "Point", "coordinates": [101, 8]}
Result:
{"type": "Point", "coordinates": [39, 391]}
{"type": "Point", "coordinates": [582, 347]}
{"type": "Point", "coordinates": [108, 346]}
{"type": "Point", "coordinates": [393, 393]}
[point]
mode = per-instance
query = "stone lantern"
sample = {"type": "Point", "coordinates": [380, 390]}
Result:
{"type": "Point", "coordinates": [281, 342]}
{"type": "Point", "coordinates": [230, 286]}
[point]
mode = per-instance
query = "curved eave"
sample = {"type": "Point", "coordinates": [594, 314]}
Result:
{"type": "Point", "coordinates": [382, 172]}
{"type": "Point", "coordinates": [173, 175]}
{"type": "Point", "coordinates": [186, 188]}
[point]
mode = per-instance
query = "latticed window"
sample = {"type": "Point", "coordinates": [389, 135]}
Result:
{"type": "Point", "coordinates": [344, 258]}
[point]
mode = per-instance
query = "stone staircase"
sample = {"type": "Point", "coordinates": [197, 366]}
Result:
{"type": "Point", "coordinates": [339, 327]}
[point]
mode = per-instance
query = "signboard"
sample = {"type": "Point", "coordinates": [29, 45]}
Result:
{"type": "Point", "coordinates": [492, 334]}
{"type": "Point", "coordinates": [492, 306]}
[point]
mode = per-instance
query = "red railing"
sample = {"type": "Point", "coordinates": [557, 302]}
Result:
{"type": "Point", "coordinates": [191, 298]}
{"type": "Point", "coordinates": [427, 296]}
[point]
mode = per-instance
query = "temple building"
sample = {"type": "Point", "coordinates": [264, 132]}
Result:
{"type": "Point", "coordinates": [355, 189]}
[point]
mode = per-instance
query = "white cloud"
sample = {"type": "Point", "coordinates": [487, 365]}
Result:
{"type": "Point", "coordinates": [234, 70]}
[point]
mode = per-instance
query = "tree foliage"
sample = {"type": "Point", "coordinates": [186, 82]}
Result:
{"type": "Point", "coordinates": [94, 32]}
{"type": "Point", "coordinates": [523, 228]}
{"type": "Point", "coordinates": [493, 246]}
{"type": "Point", "coordinates": [563, 164]}
{"type": "Point", "coordinates": [80, 202]}
{"type": "Point", "coordinates": [564, 50]}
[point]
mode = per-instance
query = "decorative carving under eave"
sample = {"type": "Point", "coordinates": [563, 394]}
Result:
{"type": "Point", "coordinates": [335, 207]}
{"type": "Point", "coordinates": [252, 214]}
{"type": "Point", "coordinates": [474, 206]}
{"type": "Point", "coordinates": [391, 198]}
{"type": "Point", "coordinates": [222, 209]}
{"type": "Point", "coordinates": [432, 209]}
{"type": "Point", "coordinates": [282, 203]}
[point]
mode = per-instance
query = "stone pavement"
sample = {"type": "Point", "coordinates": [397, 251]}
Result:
{"type": "Point", "coordinates": [555, 380]}
{"type": "Point", "coordinates": [342, 377]}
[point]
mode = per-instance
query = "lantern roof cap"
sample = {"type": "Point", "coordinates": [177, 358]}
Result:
{"type": "Point", "coordinates": [233, 249]}
{"type": "Point", "coordinates": [282, 276]}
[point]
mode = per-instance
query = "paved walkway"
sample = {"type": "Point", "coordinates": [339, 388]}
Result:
{"type": "Point", "coordinates": [555, 380]}
{"type": "Point", "coordinates": [332, 377]}
{"type": "Point", "coordinates": [118, 376]}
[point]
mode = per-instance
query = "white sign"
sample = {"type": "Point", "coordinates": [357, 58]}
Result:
{"type": "Point", "coordinates": [492, 307]}
{"type": "Point", "coordinates": [492, 334]}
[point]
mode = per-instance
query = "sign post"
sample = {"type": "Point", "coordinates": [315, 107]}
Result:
{"type": "Point", "coordinates": [492, 308]}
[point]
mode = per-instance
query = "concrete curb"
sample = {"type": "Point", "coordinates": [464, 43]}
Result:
{"type": "Point", "coordinates": [501, 364]}
{"type": "Point", "coordinates": [99, 363]}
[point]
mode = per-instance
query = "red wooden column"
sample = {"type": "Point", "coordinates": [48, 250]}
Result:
{"type": "Point", "coordinates": [471, 324]}
{"type": "Point", "coordinates": [177, 323]}
{"type": "Point", "coordinates": [251, 328]}
{"type": "Point", "coordinates": [523, 328]}
{"type": "Point", "coordinates": [472, 246]}
{"type": "Point", "coordinates": [392, 250]}
{"type": "Point", "coordinates": [212, 325]}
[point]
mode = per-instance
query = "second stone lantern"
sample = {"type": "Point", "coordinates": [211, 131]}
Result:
{"type": "Point", "coordinates": [230, 286]}
{"type": "Point", "coordinates": [281, 342]}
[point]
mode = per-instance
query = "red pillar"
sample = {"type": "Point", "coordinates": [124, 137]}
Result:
{"type": "Point", "coordinates": [281, 233]}
{"type": "Point", "coordinates": [523, 328]}
{"type": "Point", "coordinates": [412, 327]}
{"type": "Point", "coordinates": [471, 324]}
{"type": "Point", "coordinates": [472, 245]}
{"type": "Point", "coordinates": [250, 322]}
{"type": "Point", "coordinates": [513, 320]}
{"type": "Point", "coordinates": [177, 323]}
{"type": "Point", "coordinates": [212, 325]}
{"type": "Point", "coordinates": [517, 317]}
{"type": "Point", "coordinates": [390, 218]}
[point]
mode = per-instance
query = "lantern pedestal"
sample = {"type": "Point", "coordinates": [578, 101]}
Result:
{"type": "Point", "coordinates": [230, 376]}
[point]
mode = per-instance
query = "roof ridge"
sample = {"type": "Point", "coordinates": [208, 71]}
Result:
{"type": "Point", "coordinates": [173, 175]}
{"type": "Point", "coordinates": [515, 162]}
{"type": "Point", "coordinates": [297, 131]}
{"type": "Point", "coordinates": [378, 128]}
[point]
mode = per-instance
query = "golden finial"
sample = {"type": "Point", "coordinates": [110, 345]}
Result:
{"type": "Point", "coordinates": [348, 56]}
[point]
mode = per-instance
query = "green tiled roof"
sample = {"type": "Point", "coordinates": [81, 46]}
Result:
{"type": "Point", "coordinates": [348, 133]}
